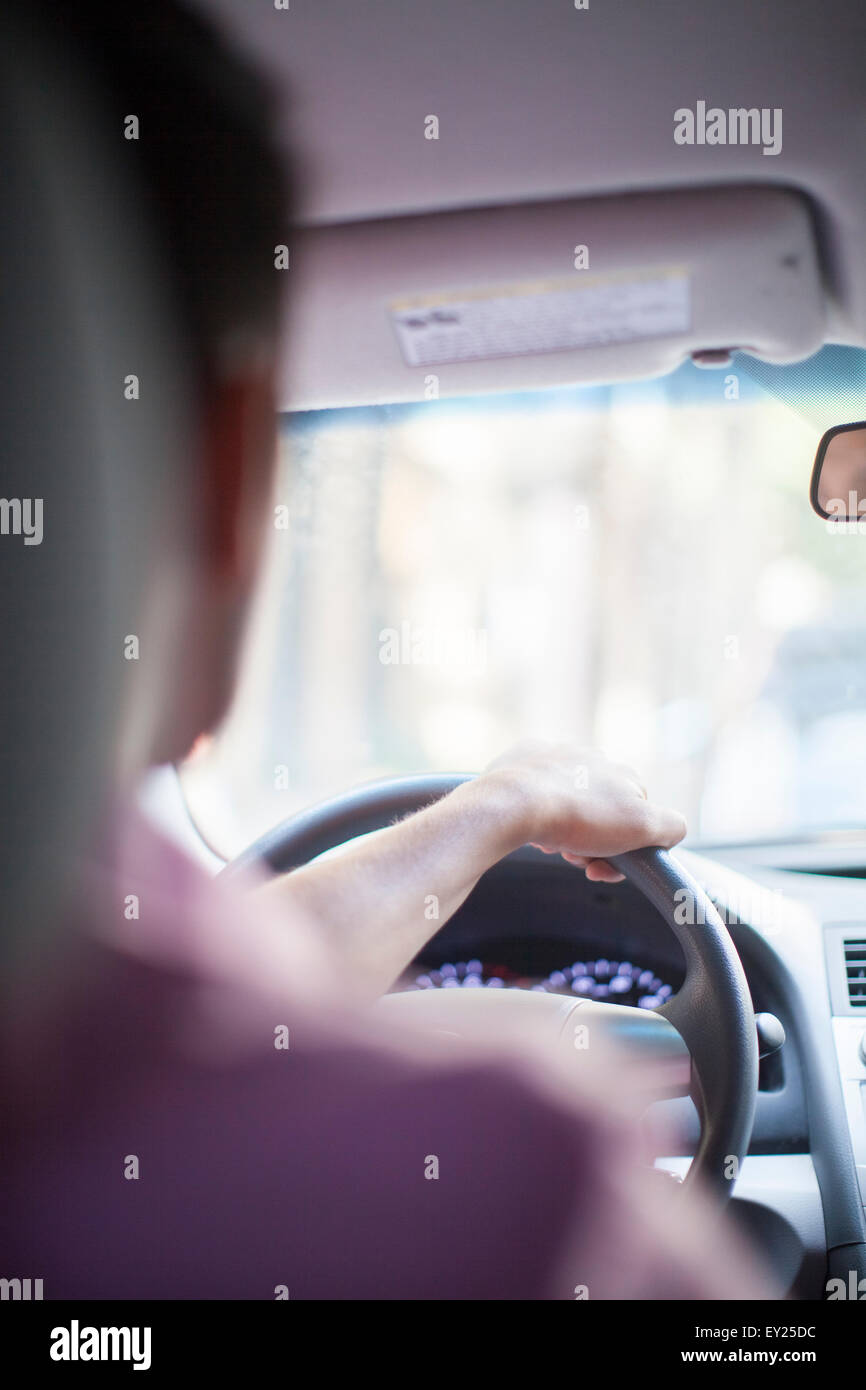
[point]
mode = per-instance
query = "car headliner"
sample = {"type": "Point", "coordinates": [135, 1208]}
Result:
{"type": "Point", "coordinates": [542, 101]}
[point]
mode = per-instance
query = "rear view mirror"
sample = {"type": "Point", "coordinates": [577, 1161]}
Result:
{"type": "Point", "coordinates": [838, 491]}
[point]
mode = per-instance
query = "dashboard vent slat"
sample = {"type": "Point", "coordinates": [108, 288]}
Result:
{"type": "Point", "coordinates": [854, 950]}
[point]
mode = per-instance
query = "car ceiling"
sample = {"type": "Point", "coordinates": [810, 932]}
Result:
{"type": "Point", "coordinates": [539, 102]}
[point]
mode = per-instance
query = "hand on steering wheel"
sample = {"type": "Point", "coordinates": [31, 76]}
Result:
{"type": "Point", "coordinates": [712, 1014]}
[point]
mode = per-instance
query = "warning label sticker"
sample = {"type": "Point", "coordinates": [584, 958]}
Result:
{"type": "Point", "coordinates": [542, 316]}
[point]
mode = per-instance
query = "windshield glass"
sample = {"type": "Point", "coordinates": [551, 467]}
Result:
{"type": "Point", "coordinates": [634, 566]}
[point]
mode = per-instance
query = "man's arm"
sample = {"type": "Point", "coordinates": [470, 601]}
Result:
{"type": "Point", "coordinates": [379, 901]}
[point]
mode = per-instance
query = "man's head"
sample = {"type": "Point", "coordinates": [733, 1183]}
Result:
{"type": "Point", "coordinates": [194, 125]}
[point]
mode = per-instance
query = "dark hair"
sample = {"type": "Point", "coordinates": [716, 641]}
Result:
{"type": "Point", "coordinates": [206, 156]}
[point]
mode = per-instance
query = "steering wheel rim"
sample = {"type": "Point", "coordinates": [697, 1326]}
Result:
{"type": "Point", "coordinates": [712, 1011]}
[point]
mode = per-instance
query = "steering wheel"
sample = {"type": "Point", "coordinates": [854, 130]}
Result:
{"type": "Point", "coordinates": [710, 1020]}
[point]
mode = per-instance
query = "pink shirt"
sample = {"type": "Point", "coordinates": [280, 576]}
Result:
{"type": "Point", "coordinates": [158, 1144]}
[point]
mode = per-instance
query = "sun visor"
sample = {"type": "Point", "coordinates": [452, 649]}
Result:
{"type": "Point", "coordinates": [535, 295]}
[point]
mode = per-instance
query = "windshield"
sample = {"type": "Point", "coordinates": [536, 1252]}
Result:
{"type": "Point", "coordinates": [634, 566]}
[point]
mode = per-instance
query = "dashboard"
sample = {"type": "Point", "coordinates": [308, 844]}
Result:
{"type": "Point", "coordinates": [534, 922]}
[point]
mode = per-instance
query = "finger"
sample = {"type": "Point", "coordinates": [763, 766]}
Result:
{"type": "Point", "coordinates": [578, 859]}
{"type": "Point", "coordinates": [599, 871]}
{"type": "Point", "coordinates": [663, 827]}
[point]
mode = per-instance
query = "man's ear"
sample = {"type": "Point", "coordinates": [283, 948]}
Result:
{"type": "Point", "coordinates": [237, 459]}
{"type": "Point", "coordinates": [238, 456]}
{"type": "Point", "coordinates": [198, 596]}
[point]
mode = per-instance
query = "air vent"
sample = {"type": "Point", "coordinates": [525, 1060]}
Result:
{"type": "Point", "coordinates": [855, 970]}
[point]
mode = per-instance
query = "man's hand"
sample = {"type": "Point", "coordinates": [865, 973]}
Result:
{"type": "Point", "coordinates": [372, 901]}
{"type": "Point", "coordinates": [575, 802]}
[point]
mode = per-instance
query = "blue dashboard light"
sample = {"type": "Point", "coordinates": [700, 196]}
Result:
{"type": "Point", "coordinates": [618, 982]}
